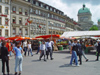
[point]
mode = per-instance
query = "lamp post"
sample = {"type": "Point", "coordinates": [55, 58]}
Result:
{"type": "Point", "coordinates": [51, 29]}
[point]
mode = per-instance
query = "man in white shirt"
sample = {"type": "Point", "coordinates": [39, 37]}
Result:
{"type": "Point", "coordinates": [49, 48]}
{"type": "Point", "coordinates": [25, 47]}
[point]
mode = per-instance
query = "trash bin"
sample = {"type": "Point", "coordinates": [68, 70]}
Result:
{"type": "Point", "coordinates": [60, 47]}
{"type": "Point", "coordinates": [86, 50]}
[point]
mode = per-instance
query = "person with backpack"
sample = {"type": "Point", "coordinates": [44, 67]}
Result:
{"type": "Point", "coordinates": [79, 51]}
{"type": "Point", "coordinates": [98, 50]}
{"type": "Point", "coordinates": [4, 57]}
{"type": "Point", "coordinates": [18, 58]}
{"type": "Point", "coordinates": [73, 50]}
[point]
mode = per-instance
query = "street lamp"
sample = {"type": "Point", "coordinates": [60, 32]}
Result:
{"type": "Point", "coordinates": [51, 29]}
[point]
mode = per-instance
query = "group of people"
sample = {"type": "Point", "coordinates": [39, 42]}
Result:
{"type": "Point", "coordinates": [17, 48]}
{"type": "Point", "coordinates": [45, 47]}
{"type": "Point", "coordinates": [5, 53]}
{"type": "Point", "coordinates": [77, 49]}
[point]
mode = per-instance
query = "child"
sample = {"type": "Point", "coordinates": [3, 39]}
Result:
{"type": "Point", "coordinates": [42, 48]}
{"type": "Point", "coordinates": [29, 49]}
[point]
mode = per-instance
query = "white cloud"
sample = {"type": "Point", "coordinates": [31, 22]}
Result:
{"type": "Point", "coordinates": [72, 9]}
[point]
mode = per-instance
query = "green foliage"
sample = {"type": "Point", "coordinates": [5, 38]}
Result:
{"type": "Point", "coordinates": [94, 27]}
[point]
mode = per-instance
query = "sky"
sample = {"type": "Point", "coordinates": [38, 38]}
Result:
{"type": "Point", "coordinates": [71, 7]}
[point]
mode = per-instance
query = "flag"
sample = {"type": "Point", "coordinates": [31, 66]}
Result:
{"type": "Point", "coordinates": [39, 26]}
{"type": "Point", "coordinates": [29, 21]}
{"type": "Point", "coordinates": [6, 22]}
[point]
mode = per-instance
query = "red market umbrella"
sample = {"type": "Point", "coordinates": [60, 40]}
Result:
{"type": "Point", "coordinates": [49, 36]}
{"type": "Point", "coordinates": [12, 38]}
{"type": "Point", "coordinates": [2, 38]}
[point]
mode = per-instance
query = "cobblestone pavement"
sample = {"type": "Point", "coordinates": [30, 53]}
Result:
{"type": "Point", "coordinates": [58, 66]}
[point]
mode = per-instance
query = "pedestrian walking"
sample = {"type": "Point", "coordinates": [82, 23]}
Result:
{"type": "Point", "coordinates": [25, 47]}
{"type": "Point", "coordinates": [5, 58]}
{"type": "Point", "coordinates": [18, 58]}
{"type": "Point", "coordinates": [49, 48]}
{"type": "Point", "coordinates": [43, 50]}
{"type": "Point", "coordinates": [98, 50]}
{"type": "Point", "coordinates": [30, 49]}
{"type": "Point", "coordinates": [39, 43]}
{"type": "Point", "coordinates": [83, 48]}
{"type": "Point", "coordinates": [79, 51]}
{"type": "Point", "coordinates": [73, 50]}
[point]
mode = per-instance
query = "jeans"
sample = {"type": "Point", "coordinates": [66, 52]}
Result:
{"type": "Point", "coordinates": [10, 53]}
{"type": "Point", "coordinates": [80, 59]}
{"type": "Point", "coordinates": [18, 62]}
{"type": "Point", "coordinates": [30, 50]}
{"type": "Point", "coordinates": [98, 55]}
{"type": "Point", "coordinates": [3, 66]}
{"type": "Point", "coordinates": [25, 50]}
{"type": "Point", "coordinates": [84, 55]}
{"type": "Point", "coordinates": [74, 56]}
{"type": "Point", "coordinates": [49, 51]}
{"type": "Point", "coordinates": [38, 50]}
{"type": "Point", "coordinates": [42, 53]}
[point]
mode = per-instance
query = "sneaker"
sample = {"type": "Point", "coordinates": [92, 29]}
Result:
{"type": "Point", "coordinates": [31, 55]}
{"type": "Point", "coordinates": [96, 60]}
{"type": "Point", "coordinates": [44, 60]}
{"type": "Point", "coordinates": [15, 73]}
{"type": "Point", "coordinates": [52, 58]}
{"type": "Point", "coordinates": [19, 73]}
{"type": "Point", "coordinates": [77, 65]}
{"type": "Point", "coordinates": [87, 60]}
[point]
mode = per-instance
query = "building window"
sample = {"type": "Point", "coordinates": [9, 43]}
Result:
{"type": "Point", "coordinates": [37, 4]}
{"type": "Point", "coordinates": [7, 1]}
{"type": "Point", "coordinates": [6, 10]}
{"type": "Point", "coordinates": [50, 9]}
{"type": "Point", "coordinates": [26, 31]}
{"type": "Point", "coordinates": [14, 31]}
{"type": "Point", "coordinates": [54, 10]}
{"type": "Point", "coordinates": [6, 32]}
{"type": "Point", "coordinates": [20, 20]}
{"type": "Point", "coordinates": [0, 20]}
{"type": "Point", "coordinates": [26, 12]}
{"type": "Point", "coordinates": [20, 10]}
{"type": "Point", "coordinates": [47, 7]}
{"type": "Point", "coordinates": [14, 20]}
{"type": "Point", "coordinates": [0, 32]}
{"type": "Point", "coordinates": [14, 9]}
{"type": "Point", "coordinates": [20, 31]}
{"type": "Point", "coordinates": [6, 21]}
{"type": "Point", "coordinates": [0, 9]}
{"type": "Point", "coordinates": [39, 12]}
{"type": "Point", "coordinates": [48, 15]}
{"type": "Point", "coordinates": [42, 5]}
{"type": "Point", "coordinates": [36, 11]}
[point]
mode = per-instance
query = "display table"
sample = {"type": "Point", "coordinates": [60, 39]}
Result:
{"type": "Point", "coordinates": [88, 48]}
{"type": "Point", "coordinates": [60, 47]}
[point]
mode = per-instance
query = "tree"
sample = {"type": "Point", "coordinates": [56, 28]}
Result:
{"type": "Point", "coordinates": [94, 27]}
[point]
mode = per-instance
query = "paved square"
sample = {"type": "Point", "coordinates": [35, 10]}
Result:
{"type": "Point", "coordinates": [58, 66]}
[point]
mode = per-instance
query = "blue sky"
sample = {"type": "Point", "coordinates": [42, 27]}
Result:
{"type": "Point", "coordinates": [71, 7]}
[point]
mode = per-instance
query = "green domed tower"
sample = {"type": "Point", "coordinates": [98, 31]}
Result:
{"type": "Point", "coordinates": [99, 22]}
{"type": "Point", "coordinates": [84, 18]}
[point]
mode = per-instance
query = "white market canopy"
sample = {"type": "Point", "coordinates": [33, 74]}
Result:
{"type": "Point", "coordinates": [80, 34]}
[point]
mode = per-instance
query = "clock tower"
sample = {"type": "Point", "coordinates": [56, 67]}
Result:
{"type": "Point", "coordinates": [84, 18]}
